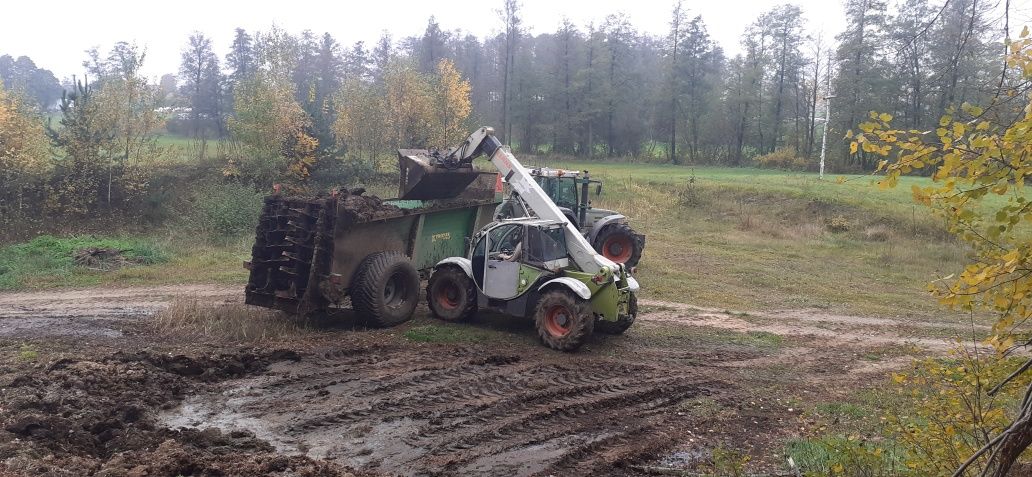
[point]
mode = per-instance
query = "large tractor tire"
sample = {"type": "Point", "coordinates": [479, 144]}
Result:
{"type": "Point", "coordinates": [619, 243]}
{"type": "Point", "coordinates": [564, 321]}
{"type": "Point", "coordinates": [451, 294]}
{"type": "Point", "coordinates": [623, 322]}
{"type": "Point", "coordinates": [385, 290]}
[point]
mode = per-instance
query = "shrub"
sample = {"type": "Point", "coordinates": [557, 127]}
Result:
{"type": "Point", "coordinates": [948, 409]}
{"type": "Point", "coordinates": [784, 158]}
{"type": "Point", "coordinates": [226, 210]}
{"type": "Point", "coordinates": [838, 224]}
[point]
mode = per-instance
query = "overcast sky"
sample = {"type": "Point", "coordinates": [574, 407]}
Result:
{"type": "Point", "coordinates": [54, 33]}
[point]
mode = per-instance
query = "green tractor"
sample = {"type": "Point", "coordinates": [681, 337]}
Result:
{"type": "Point", "coordinates": [608, 231]}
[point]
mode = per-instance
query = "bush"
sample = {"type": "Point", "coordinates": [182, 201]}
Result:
{"type": "Point", "coordinates": [226, 210]}
{"type": "Point", "coordinates": [838, 224]}
{"type": "Point", "coordinates": [784, 158]}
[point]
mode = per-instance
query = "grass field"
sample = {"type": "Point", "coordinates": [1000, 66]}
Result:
{"type": "Point", "coordinates": [732, 238]}
{"type": "Point", "coordinates": [744, 238]}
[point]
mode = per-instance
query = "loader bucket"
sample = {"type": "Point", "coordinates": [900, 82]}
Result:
{"type": "Point", "coordinates": [423, 181]}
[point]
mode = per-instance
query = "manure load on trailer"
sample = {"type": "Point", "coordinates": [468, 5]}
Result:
{"type": "Point", "coordinates": [310, 254]}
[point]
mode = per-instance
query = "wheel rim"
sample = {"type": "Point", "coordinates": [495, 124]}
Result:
{"type": "Point", "coordinates": [618, 248]}
{"type": "Point", "coordinates": [559, 321]}
{"type": "Point", "coordinates": [447, 296]}
{"type": "Point", "coordinates": [394, 291]}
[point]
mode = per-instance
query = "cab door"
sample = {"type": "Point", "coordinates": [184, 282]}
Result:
{"type": "Point", "coordinates": [501, 275]}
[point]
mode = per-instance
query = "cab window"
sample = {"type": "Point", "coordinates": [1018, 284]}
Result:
{"type": "Point", "coordinates": [566, 195]}
{"type": "Point", "coordinates": [562, 190]}
{"type": "Point", "coordinates": [545, 244]}
{"type": "Point", "coordinates": [505, 238]}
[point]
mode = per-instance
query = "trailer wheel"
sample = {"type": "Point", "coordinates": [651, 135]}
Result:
{"type": "Point", "coordinates": [619, 243]}
{"type": "Point", "coordinates": [451, 295]}
{"type": "Point", "coordinates": [623, 322]}
{"type": "Point", "coordinates": [564, 322]}
{"type": "Point", "coordinates": [386, 289]}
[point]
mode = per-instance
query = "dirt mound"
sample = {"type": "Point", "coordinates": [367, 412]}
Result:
{"type": "Point", "coordinates": [83, 417]}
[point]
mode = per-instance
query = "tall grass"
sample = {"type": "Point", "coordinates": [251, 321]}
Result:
{"type": "Point", "coordinates": [191, 319]}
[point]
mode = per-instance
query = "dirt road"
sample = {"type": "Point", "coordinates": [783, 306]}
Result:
{"type": "Point", "coordinates": [682, 382]}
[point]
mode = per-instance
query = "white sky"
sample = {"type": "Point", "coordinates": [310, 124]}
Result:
{"type": "Point", "coordinates": [55, 33]}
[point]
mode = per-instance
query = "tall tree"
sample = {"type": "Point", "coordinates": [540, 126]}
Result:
{"type": "Point", "coordinates": [512, 26]}
{"type": "Point", "coordinates": [678, 19]}
{"type": "Point", "coordinates": [35, 83]}
{"type": "Point", "coordinates": [201, 84]}
{"type": "Point", "coordinates": [859, 56]}
{"type": "Point", "coordinates": [431, 46]}
{"type": "Point", "coordinates": [699, 67]}
{"type": "Point", "coordinates": [240, 60]}
{"type": "Point", "coordinates": [785, 26]}
{"type": "Point", "coordinates": [382, 55]}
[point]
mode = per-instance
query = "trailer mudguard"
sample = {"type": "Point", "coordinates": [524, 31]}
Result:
{"type": "Point", "coordinates": [573, 284]}
{"type": "Point", "coordinates": [461, 262]}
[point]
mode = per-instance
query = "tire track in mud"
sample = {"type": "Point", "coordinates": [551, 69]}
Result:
{"type": "Point", "coordinates": [455, 411]}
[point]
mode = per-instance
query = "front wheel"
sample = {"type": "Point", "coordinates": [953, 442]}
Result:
{"type": "Point", "coordinates": [451, 295]}
{"type": "Point", "coordinates": [623, 322]}
{"type": "Point", "coordinates": [385, 290]}
{"type": "Point", "coordinates": [564, 322]}
{"type": "Point", "coordinates": [620, 243]}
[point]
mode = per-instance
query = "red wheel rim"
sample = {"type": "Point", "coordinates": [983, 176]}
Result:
{"type": "Point", "coordinates": [558, 320]}
{"type": "Point", "coordinates": [447, 296]}
{"type": "Point", "coordinates": [618, 248]}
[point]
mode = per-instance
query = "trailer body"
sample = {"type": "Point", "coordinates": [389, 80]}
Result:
{"type": "Point", "coordinates": [309, 252]}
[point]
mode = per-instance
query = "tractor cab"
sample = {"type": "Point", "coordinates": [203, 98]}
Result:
{"type": "Point", "coordinates": [608, 232]}
{"type": "Point", "coordinates": [508, 257]}
{"type": "Point", "coordinates": [568, 189]}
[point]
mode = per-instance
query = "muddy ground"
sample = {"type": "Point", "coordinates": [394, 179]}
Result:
{"type": "Point", "coordinates": [88, 386]}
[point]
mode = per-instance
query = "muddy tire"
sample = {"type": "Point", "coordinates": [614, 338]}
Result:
{"type": "Point", "coordinates": [619, 243]}
{"type": "Point", "coordinates": [564, 321]}
{"type": "Point", "coordinates": [622, 323]}
{"type": "Point", "coordinates": [385, 290]}
{"type": "Point", "coordinates": [451, 294]}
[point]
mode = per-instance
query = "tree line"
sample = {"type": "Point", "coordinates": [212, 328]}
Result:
{"type": "Point", "coordinates": [609, 89]}
{"type": "Point", "coordinates": [305, 108]}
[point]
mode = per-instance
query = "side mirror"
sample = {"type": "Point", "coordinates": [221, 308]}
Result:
{"type": "Point", "coordinates": [598, 189]}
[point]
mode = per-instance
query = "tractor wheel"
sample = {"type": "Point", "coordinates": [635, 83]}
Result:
{"type": "Point", "coordinates": [622, 323]}
{"type": "Point", "coordinates": [564, 322]}
{"type": "Point", "coordinates": [619, 243]}
{"type": "Point", "coordinates": [385, 290]}
{"type": "Point", "coordinates": [451, 295]}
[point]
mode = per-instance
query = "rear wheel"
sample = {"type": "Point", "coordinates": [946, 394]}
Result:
{"type": "Point", "coordinates": [623, 322]}
{"type": "Point", "coordinates": [619, 243]}
{"type": "Point", "coordinates": [564, 322]}
{"type": "Point", "coordinates": [386, 289]}
{"type": "Point", "coordinates": [451, 295]}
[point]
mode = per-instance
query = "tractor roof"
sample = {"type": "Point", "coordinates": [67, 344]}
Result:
{"type": "Point", "coordinates": [549, 172]}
